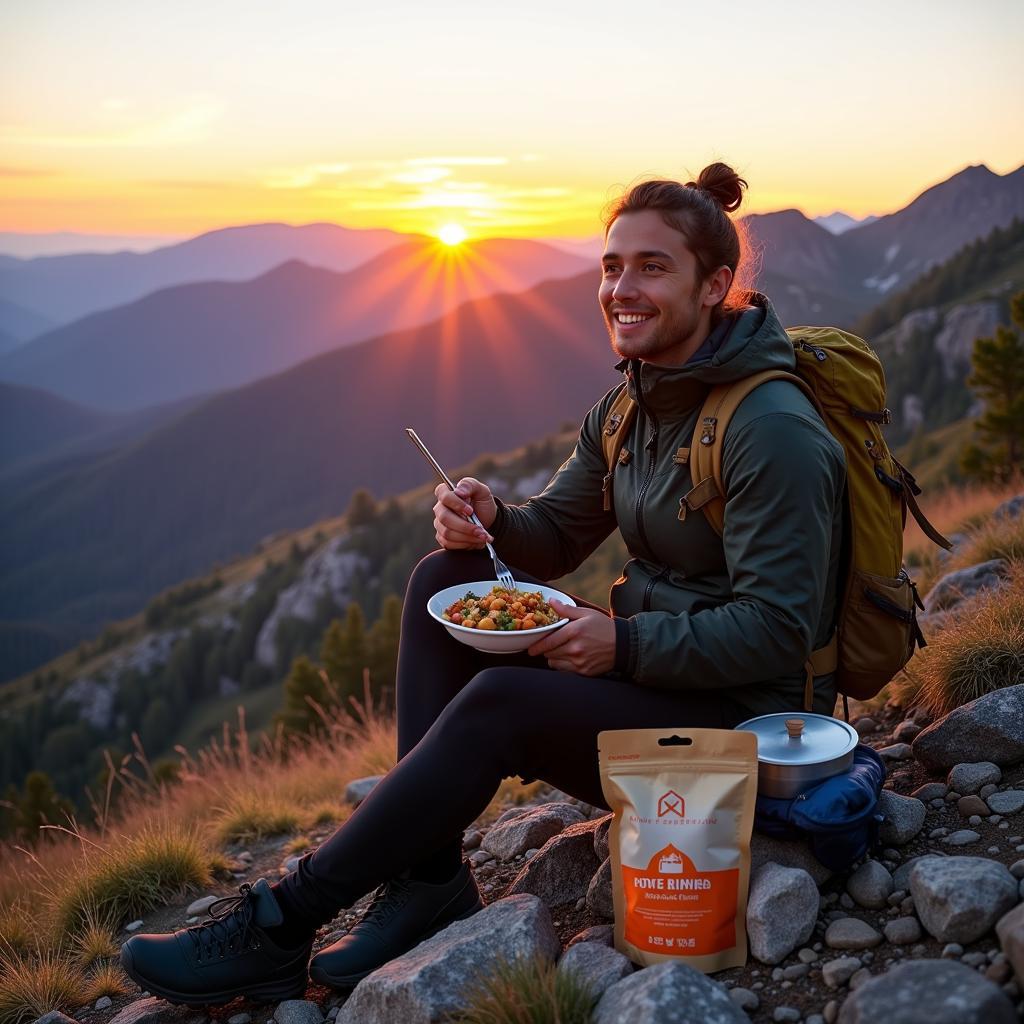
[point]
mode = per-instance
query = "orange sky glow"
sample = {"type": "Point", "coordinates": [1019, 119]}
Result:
{"type": "Point", "coordinates": [126, 119]}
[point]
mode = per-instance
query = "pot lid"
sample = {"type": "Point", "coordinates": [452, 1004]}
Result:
{"type": "Point", "coordinates": [800, 737]}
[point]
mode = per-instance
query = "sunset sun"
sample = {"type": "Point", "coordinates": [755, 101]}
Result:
{"type": "Point", "coordinates": [452, 234]}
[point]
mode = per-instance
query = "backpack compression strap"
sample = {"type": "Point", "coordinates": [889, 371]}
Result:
{"type": "Point", "coordinates": [708, 491]}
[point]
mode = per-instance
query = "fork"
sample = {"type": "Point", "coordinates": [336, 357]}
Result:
{"type": "Point", "coordinates": [501, 571]}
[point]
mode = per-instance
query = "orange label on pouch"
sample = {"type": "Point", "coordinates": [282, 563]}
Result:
{"type": "Point", "coordinates": [670, 905]}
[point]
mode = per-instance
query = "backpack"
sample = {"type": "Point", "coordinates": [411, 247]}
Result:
{"type": "Point", "coordinates": [837, 818]}
{"type": "Point", "coordinates": [876, 622]}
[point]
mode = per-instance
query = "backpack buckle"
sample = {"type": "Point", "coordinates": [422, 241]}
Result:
{"type": "Point", "coordinates": [707, 435]}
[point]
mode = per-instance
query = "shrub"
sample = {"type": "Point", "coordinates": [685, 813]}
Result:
{"type": "Point", "coordinates": [107, 980]}
{"type": "Point", "coordinates": [251, 815]}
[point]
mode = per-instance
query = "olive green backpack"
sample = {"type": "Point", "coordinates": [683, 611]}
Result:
{"type": "Point", "coordinates": [876, 622]}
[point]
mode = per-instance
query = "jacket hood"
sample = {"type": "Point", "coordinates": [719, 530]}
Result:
{"type": "Point", "coordinates": [753, 340]}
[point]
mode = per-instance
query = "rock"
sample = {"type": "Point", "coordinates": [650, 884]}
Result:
{"type": "Point", "coordinates": [531, 829]}
{"type": "Point", "coordinates": [54, 1017]}
{"type": "Point", "coordinates": [133, 926]}
{"type": "Point", "coordinates": [906, 731]}
{"type": "Point", "coordinates": [601, 837]}
{"type": "Point", "coordinates": [1010, 930]}
{"type": "Point", "coordinates": [1010, 801]}
{"type": "Point", "coordinates": [745, 999]}
{"type": "Point", "coordinates": [786, 1015]}
{"type": "Point", "coordinates": [1012, 508]}
{"type": "Point", "coordinates": [240, 1018]}
{"type": "Point", "coordinates": [969, 778]}
{"type": "Point", "coordinates": [103, 1003]}
{"type": "Point", "coordinates": [865, 726]}
{"type": "Point", "coordinates": [903, 818]}
{"type": "Point", "coordinates": [859, 978]}
{"type": "Point", "coordinates": [782, 907]}
{"type": "Point", "coordinates": [851, 933]}
{"type": "Point", "coordinates": [903, 931]}
{"type": "Point", "coordinates": [787, 853]}
{"type": "Point", "coordinates": [963, 837]}
{"type": "Point", "coordinates": [298, 1011]}
{"type": "Point", "coordinates": [958, 899]}
{"type": "Point", "coordinates": [993, 723]}
{"type": "Point", "coordinates": [200, 906]}
{"type": "Point", "coordinates": [427, 982]}
{"type": "Point", "coordinates": [928, 992]}
{"type": "Point", "coordinates": [595, 965]}
{"type": "Point", "coordinates": [359, 789]}
{"type": "Point", "coordinates": [667, 993]}
{"type": "Point", "coordinates": [561, 870]}
{"type": "Point", "coordinates": [930, 791]}
{"type": "Point", "coordinates": [603, 933]}
{"type": "Point", "coordinates": [972, 806]}
{"type": "Point", "coordinates": [839, 972]}
{"type": "Point", "coordinates": [895, 752]}
{"type": "Point", "coordinates": [870, 885]}
{"type": "Point", "coordinates": [957, 586]}
{"type": "Point", "coordinates": [599, 892]}
{"type": "Point", "coordinates": [150, 1010]}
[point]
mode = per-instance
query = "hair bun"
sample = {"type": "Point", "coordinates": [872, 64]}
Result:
{"type": "Point", "coordinates": [723, 184]}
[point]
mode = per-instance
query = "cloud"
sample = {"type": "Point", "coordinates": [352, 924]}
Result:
{"type": "Point", "coordinates": [304, 176]}
{"type": "Point", "coordinates": [457, 161]}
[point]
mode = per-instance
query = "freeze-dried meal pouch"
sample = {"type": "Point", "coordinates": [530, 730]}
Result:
{"type": "Point", "coordinates": [680, 842]}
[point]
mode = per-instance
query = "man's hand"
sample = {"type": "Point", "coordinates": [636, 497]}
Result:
{"type": "Point", "coordinates": [453, 530]}
{"type": "Point", "coordinates": [585, 644]}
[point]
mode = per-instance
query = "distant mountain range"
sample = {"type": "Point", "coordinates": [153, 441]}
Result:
{"type": "Point", "coordinates": [838, 222]}
{"type": "Point", "coordinates": [213, 336]}
{"type": "Point", "coordinates": [27, 245]}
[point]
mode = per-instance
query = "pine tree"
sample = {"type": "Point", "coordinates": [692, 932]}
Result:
{"type": "Point", "coordinates": [344, 653]}
{"type": "Point", "coordinates": [998, 380]}
{"type": "Point", "coordinates": [40, 804]}
{"type": "Point", "coordinates": [304, 681]}
{"type": "Point", "coordinates": [362, 509]}
{"type": "Point", "coordinates": [383, 648]}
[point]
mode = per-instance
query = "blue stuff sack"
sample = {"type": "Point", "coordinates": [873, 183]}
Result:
{"type": "Point", "coordinates": [838, 818]}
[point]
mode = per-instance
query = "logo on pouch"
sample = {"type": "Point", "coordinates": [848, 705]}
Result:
{"type": "Point", "coordinates": [671, 803]}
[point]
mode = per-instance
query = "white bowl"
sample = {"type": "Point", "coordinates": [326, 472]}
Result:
{"type": "Point", "coordinates": [494, 641]}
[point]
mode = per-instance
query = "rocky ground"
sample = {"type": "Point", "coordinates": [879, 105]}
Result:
{"type": "Point", "coordinates": [930, 921]}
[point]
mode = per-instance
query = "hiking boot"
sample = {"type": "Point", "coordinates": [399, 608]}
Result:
{"type": "Point", "coordinates": [403, 912]}
{"type": "Point", "coordinates": [213, 962]}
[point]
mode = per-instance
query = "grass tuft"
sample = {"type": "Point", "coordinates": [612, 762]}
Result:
{"type": "Point", "coordinates": [249, 816]}
{"type": "Point", "coordinates": [96, 941]}
{"type": "Point", "coordinates": [17, 929]}
{"type": "Point", "coordinates": [33, 986]}
{"type": "Point", "coordinates": [980, 651]}
{"type": "Point", "coordinates": [526, 991]}
{"type": "Point", "coordinates": [129, 876]}
{"type": "Point", "coordinates": [298, 845]}
{"type": "Point", "coordinates": [107, 979]}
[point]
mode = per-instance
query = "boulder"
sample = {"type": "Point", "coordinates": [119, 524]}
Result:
{"type": "Point", "coordinates": [563, 868]}
{"type": "Point", "coordinates": [782, 907]}
{"type": "Point", "coordinates": [993, 724]}
{"type": "Point", "coordinates": [595, 965]}
{"type": "Point", "coordinates": [599, 893]}
{"type": "Point", "coordinates": [959, 899]}
{"type": "Point", "coordinates": [969, 778]}
{"type": "Point", "coordinates": [429, 981]}
{"type": "Point", "coordinates": [667, 993]}
{"type": "Point", "coordinates": [359, 789]}
{"type": "Point", "coordinates": [870, 885]}
{"type": "Point", "coordinates": [928, 992]}
{"type": "Point", "coordinates": [961, 584]}
{"type": "Point", "coordinates": [530, 830]}
{"type": "Point", "coordinates": [603, 933]}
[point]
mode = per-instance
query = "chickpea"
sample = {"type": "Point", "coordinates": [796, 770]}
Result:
{"type": "Point", "coordinates": [487, 623]}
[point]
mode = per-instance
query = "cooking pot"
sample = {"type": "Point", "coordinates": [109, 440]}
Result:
{"type": "Point", "coordinates": [797, 751]}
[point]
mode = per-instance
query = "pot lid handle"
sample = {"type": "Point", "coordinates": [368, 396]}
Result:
{"type": "Point", "coordinates": [794, 726]}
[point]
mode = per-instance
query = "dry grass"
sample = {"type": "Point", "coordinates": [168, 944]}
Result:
{"type": "Point", "coordinates": [526, 991]}
{"type": "Point", "coordinates": [298, 845]}
{"type": "Point", "coordinates": [96, 941]}
{"type": "Point", "coordinates": [980, 649]}
{"type": "Point", "coordinates": [107, 980]}
{"type": "Point", "coordinates": [32, 986]}
{"type": "Point", "coordinates": [18, 929]}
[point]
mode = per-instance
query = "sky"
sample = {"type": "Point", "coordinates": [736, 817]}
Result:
{"type": "Point", "coordinates": [167, 119]}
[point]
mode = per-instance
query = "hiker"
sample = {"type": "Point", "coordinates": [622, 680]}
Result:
{"type": "Point", "coordinates": [702, 630]}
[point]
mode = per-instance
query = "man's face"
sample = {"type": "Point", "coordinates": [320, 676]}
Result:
{"type": "Point", "coordinates": [650, 294]}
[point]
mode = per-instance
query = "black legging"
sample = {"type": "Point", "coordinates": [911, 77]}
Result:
{"type": "Point", "coordinates": [466, 720]}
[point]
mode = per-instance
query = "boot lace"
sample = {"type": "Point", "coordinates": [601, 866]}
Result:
{"type": "Point", "coordinates": [387, 900]}
{"type": "Point", "coordinates": [230, 930]}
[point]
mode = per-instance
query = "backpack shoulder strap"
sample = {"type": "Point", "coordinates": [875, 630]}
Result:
{"type": "Point", "coordinates": [708, 491]}
{"type": "Point", "coordinates": [613, 432]}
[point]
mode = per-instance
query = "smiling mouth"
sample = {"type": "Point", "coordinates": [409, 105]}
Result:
{"type": "Point", "coordinates": [633, 318]}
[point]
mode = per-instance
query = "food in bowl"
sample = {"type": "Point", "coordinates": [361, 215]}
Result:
{"type": "Point", "coordinates": [501, 609]}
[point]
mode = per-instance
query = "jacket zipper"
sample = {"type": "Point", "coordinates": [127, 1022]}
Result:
{"type": "Point", "coordinates": [819, 353]}
{"type": "Point", "coordinates": [649, 589]}
{"type": "Point", "coordinates": [652, 447]}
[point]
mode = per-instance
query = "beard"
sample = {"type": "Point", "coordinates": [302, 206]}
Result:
{"type": "Point", "coordinates": [669, 333]}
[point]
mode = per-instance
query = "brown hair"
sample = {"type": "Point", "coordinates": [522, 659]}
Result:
{"type": "Point", "coordinates": [699, 211]}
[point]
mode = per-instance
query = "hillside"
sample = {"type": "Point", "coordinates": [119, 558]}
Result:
{"type": "Point", "coordinates": [198, 338]}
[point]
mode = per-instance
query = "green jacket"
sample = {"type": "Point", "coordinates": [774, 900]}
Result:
{"type": "Point", "coordinates": [740, 612]}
